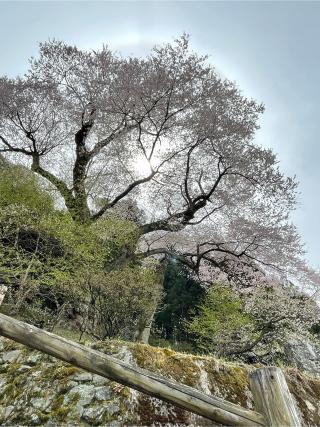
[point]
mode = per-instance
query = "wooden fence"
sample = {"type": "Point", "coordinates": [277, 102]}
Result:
{"type": "Point", "coordinates": [273, 401]}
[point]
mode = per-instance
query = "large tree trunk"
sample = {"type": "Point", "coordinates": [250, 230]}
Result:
{"type": "Point", "coordinates": [80, 209]}
{"type": "Point", "coordinates": [143, 333]}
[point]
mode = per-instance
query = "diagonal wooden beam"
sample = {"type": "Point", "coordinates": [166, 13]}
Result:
{"type": "Point", "coordinates": [192, 400]}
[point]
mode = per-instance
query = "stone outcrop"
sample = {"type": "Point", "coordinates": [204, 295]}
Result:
{"type": "Point", "coordinates": [303, 354]}
{"type": "Point", "coordinates": [36, 389]}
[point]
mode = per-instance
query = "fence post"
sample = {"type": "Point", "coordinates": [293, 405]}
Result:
{"type": "Point", "coordinates": [272, 397]}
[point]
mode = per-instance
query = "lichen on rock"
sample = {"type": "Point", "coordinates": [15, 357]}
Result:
{"type": "Point", "coordinates": [36, 389]}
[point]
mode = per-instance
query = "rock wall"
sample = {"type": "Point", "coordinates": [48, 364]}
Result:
{"type": "Point", "coordinates": [303, 354]}
{"type": "Point", "coordinates": [36, 389]}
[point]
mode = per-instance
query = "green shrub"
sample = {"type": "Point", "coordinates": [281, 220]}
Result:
{"type": "Point", "coordinates": [220, 323]}
{"type": "Point", "coordinates": [58, 270]}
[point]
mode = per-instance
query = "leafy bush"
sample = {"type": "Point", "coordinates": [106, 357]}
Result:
{"type": "Point", "coordinates": [220, 323]}
{"type": "Point", "coordinates": [252, 325]}
{"type": "Point", "coordinates": [20, 187]}
{"type": "Point", "coordinates": [59, 271]}
{"type": "Point", "coordinates": [120, 303]}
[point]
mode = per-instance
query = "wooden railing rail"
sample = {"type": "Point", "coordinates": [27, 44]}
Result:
{"type": "Point", "coordinates": [265, 392]}
{"type": "Point", "coordinates": [99, 363]}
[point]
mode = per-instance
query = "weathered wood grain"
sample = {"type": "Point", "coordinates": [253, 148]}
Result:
{"type": "Point", "coordinates": [99, 363]}
{"type": "Point", "coordinates": [272, 397]}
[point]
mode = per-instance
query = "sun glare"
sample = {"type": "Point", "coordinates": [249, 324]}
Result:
{"type": "Point", "coordinates": [142, 166]}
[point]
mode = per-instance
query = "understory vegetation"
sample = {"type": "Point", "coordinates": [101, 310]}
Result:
{"type": "Point", "coordinates": [58, 271]}
{"type": "Point", "coordinates": [83, 277]}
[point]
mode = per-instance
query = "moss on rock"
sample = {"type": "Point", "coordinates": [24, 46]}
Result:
{"type": "Point", "coordinates": [39, 390]}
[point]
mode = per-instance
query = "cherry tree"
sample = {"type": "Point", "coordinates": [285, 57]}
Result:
{"type": "Point", "coordinates": [86, 121]}
{"type": "Point", "coordinates": [278, 311]}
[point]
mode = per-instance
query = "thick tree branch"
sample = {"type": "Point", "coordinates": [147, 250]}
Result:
{"type": "Point", "coordinates": [166, 252]}
{"type": "Point", "coordinates": [121, 130]}
{"type": "Point", "coordinates": [181, 219]}
{"type": "Point", "coordinates": [11, 148]}
{"type": "Point", "coordinates": [61, 186]}
{"type": "Point", "coordinates": [249, 346]}
{"type": "Point", "coordinates": [122, 195]}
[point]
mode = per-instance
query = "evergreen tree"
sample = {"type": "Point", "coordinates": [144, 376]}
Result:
{"type": "Point", "coordinates": [182, 294]}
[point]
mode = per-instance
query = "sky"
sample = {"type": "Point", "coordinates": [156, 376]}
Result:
{"type": "Point", "coordinates": [270, 49]}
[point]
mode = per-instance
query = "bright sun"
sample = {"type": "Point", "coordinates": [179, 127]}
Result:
{"type": "Point", "coordinates": [142, 166]}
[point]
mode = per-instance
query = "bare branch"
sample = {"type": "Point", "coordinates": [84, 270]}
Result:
{"type": "Point", "coordinates": [122, 195]}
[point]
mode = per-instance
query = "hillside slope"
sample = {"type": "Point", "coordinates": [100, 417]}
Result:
{"type": "Point", "coordinates": [35, 389]}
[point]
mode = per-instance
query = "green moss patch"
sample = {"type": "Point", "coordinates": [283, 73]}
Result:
{"type": "Point", "coordinates": [41, 391]}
